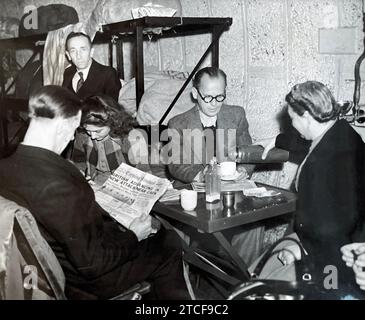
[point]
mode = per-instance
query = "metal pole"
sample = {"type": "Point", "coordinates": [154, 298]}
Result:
{"type": "Point", "coordinates": [356, 97]}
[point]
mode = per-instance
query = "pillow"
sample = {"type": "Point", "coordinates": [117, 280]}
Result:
{"type": "Point", "coordinates": [158, 97]}
{"type": "Point", "coordinates": [160, 89]}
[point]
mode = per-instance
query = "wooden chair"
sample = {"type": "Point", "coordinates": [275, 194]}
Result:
{"type": "Point", "coordinates": [29, 269]}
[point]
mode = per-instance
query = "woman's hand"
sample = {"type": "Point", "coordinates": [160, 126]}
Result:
{"type": "Point", "coordinates": [289, 254]}
{"type": "Point", "coordinates": [268, 144]}
{"type": "Point", "coordinates": [359, 269]}
{"type": "Point", "coordinates": [354, 256]}
{"type": "Point", "coordinates": [349, 251]}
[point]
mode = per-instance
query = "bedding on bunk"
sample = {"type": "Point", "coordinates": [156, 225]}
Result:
{"type": "Point", "coordinates": [111, 11]}
{"type": "Point", "coordinates": [105, 12]}
{"type": "Point", "coordinates": [160, 90]}
{"type": "Point", "coordinates": [50, 17]}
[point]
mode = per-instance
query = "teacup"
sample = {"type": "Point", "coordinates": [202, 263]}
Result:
{"type": "Point", "coordinates": [189, 199]}
{"type": "Point", "coordinates": [228, 168]}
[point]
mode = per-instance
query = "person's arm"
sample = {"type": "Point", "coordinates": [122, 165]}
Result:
{"type": "Point", "coordinates": [184, 172]}
{"type": "Point", "coordinates": [292, 141]}
{"type": "Point", "coordinates": [78, 156]}
{"type": "Point", "coordinates": [112, 84]}
{"type": "Point", "coordinates": [72, 217]}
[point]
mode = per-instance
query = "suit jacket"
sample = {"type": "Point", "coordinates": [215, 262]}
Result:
{"type": "Point", "coordinates": [100, 80]}
{"type": "Point", "coordinates": [231, 119]}
{"type": "Point", "coordinates": [91, 247]}
{"type": "Point", "coordinates": [331, 186]}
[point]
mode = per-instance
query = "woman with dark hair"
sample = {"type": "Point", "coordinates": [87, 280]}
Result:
{"type": "Point", "coordinates": [330, 182]}
{"type": "Point", "coordinates": [107, 138]}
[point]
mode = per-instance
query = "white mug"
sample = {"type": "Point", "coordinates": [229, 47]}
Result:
{"type": "Point", "coordinates": [189, 199]}
{"type": "Point", "coordinates": [228, 168]}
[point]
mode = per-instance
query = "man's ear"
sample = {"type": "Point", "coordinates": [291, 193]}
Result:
{"type": "Point", "coordinates": [92, 52]}
{"type": "Point", "coordinates": [306, 114]}
{"type": "Point", "coordinates": [194, 93]}
{"type": "Point", "coordinates": [68, 56]}
{"type": "Point", "coordinates": [59, 125]}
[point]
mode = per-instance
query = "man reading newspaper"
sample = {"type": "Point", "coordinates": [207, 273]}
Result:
{"type": "Point", "coordinates": [129, 195]}
{"type": "Point", "coordinates": [96, 253]}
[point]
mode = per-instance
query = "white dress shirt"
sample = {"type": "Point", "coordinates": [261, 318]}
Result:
{"type": "Point", "coordinates": [207, 121]}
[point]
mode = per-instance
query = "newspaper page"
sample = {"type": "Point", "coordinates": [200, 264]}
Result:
{"type": "Point", "coordinates": [238, 185]}
{"type": "Point", "coordinates": [130, 193]}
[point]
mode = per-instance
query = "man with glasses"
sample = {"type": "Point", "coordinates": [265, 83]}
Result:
{"type": "Point", "coordinates": [222, 127]}
{"type": "Point", "coordinates": [212, 128]}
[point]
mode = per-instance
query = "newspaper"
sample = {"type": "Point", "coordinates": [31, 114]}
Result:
{"type": "Point", "coordinates": [170, 195]}
{"type": "Point", "coordinates": [130, 193]}
{"type": "Point", "coordinates": [238, 185]}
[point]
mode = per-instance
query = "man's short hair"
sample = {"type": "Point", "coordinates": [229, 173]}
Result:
{"type": "Point", "coordinates": [77, 34]}
{"type": "Point", "coordinates": [52, 102]}
{"type": "Point", "coordinates": [212, 72]}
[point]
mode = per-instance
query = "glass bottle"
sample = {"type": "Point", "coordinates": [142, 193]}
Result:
{"type": "Point", "coordinates": [253, 153]}
{"type": "Point", "coordinates": [212, 182]}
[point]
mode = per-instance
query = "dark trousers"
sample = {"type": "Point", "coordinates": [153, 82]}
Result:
{"type": "Point", "coordinates": [158, 261]}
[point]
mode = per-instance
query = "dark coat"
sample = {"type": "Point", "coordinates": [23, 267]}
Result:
{"type": "Point", "coordinates": [100, 80]}
{"type": "Point", "coordinates": [331, 188]}
{"type": "Point", "coordinates": [95, 252]}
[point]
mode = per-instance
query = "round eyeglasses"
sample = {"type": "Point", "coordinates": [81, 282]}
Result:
{"type": "Point", "coordinates": [208, 99]}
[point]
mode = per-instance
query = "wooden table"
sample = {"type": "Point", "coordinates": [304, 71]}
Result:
{"type": "Point", "coordinates": [214, 218]}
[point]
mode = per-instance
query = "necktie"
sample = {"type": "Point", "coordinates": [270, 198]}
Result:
{"type": "Point", "coordinates": [80, 82]}
{"type": "Point", "coordinates": [210, 145]}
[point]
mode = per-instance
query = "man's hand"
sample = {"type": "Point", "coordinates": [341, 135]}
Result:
{"type": "Point", "coordinates": [268, 144]}
{"type": "Point", "coordinates": [289, 254]}
{"type": "Point", "coordinates": [243, 173]}
{"type": "Point", "coordinates": [141, 227]}
{"type": "Point", "coordinates": [200, 177]}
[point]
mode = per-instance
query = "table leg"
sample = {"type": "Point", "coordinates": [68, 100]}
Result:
{"type": "Point", "coordinates": [194, 257]}
{"type": "Point", "coordinates": [242, 266]}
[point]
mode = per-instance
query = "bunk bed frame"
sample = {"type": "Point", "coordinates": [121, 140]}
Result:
{"type": "Point", "coordinates": [136, 30]}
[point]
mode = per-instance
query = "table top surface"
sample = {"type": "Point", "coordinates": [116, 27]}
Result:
{"type": "Point", "coordinates": [214, 217]}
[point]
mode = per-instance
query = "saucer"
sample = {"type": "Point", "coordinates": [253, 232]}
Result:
{"type": "Point", "coordinates": [232, 176]}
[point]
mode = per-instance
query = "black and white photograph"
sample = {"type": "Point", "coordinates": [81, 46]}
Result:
{"type": "Point", "coordinates": [190, 154]}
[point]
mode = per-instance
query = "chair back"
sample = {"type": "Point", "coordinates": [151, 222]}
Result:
{"type": "Point", "coordinates": [29, 268]}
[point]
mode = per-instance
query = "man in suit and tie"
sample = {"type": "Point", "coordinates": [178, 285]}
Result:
{"type": "Point", "coordinates": [227, 123]}
{"type": "Point", "coordinates": [86, 77]}
{"type": "Point", "coordinates": [229, 128]}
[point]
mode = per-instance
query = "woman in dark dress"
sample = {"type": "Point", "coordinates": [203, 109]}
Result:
{"type": "Point", "coordinates": [330, 182]}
